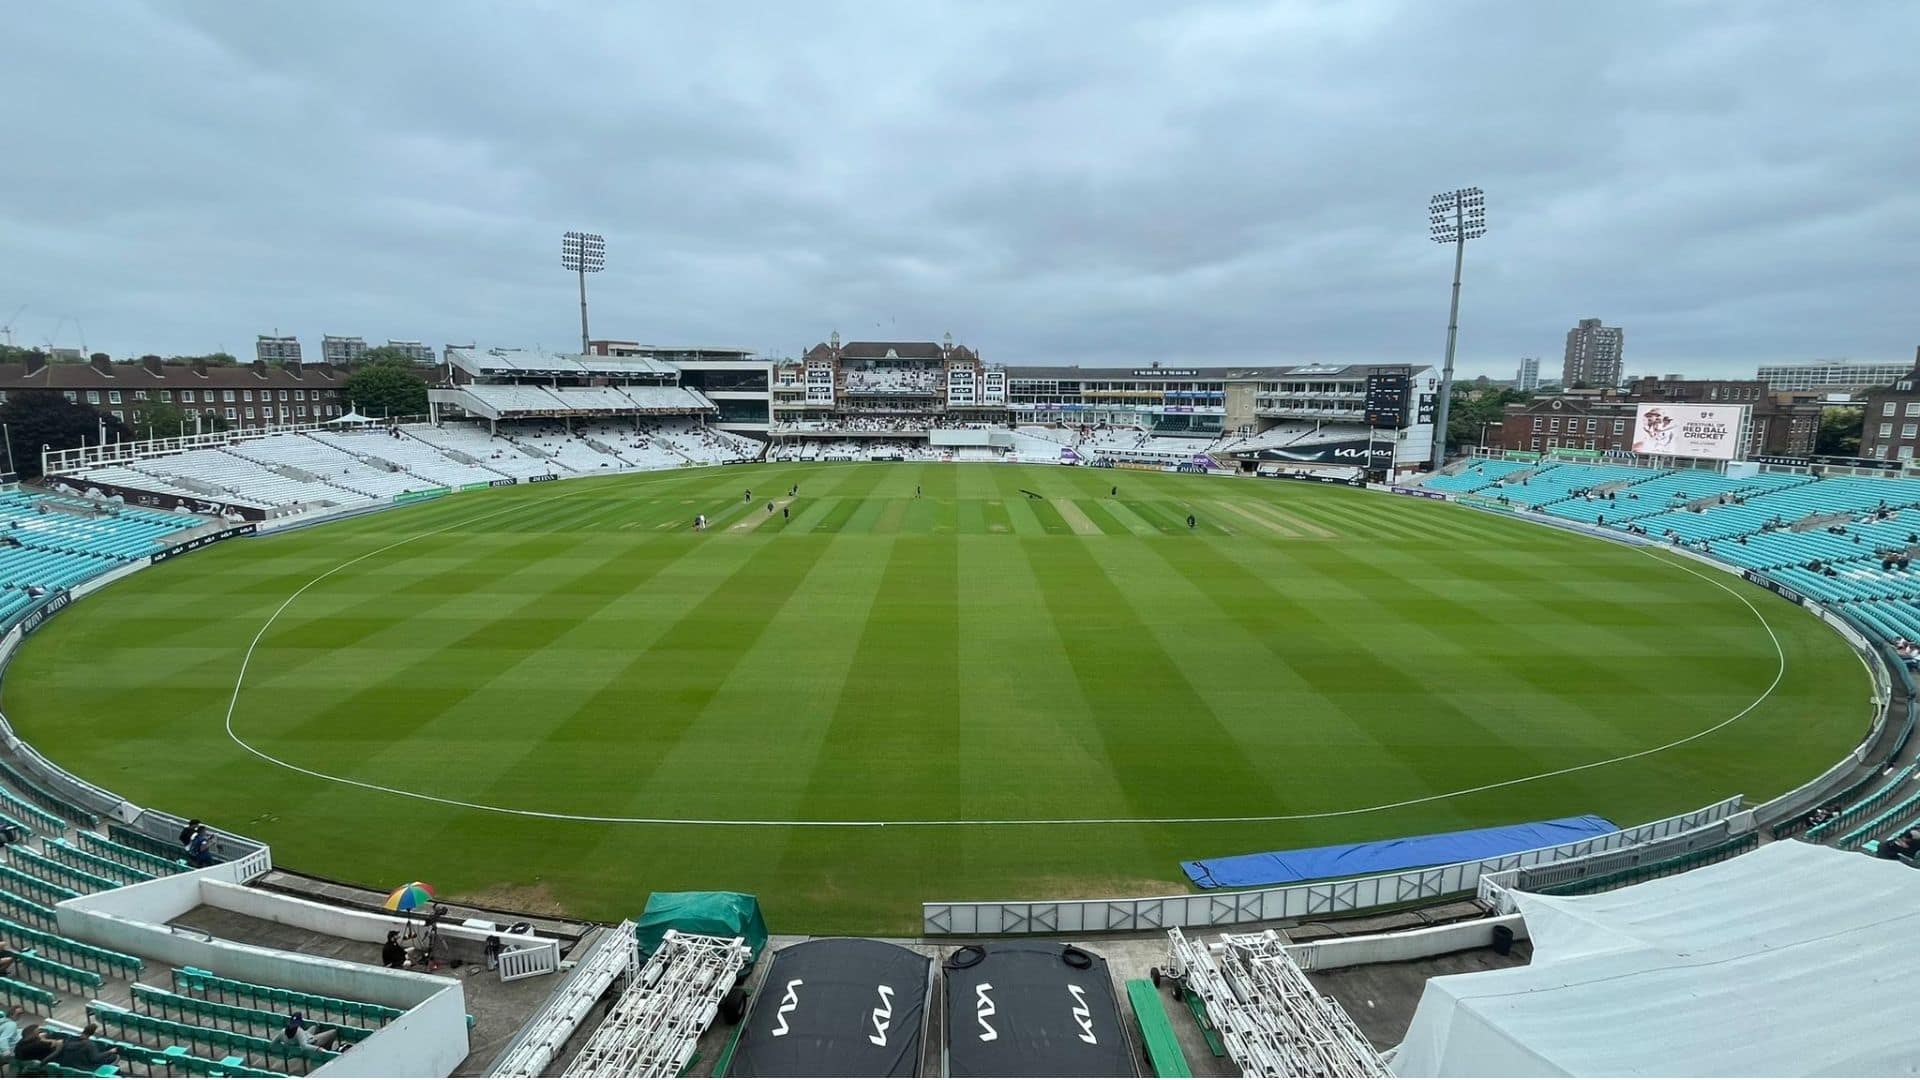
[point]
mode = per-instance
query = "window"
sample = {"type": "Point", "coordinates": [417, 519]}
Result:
{"type": "Point", "coordinates": [117, 415]}
{"type": "Point", "coordinates": [139, 395]}
{"type": "Point", "coordinates": [1536, 426]}
{"type": "Point", "coordinates": [249, 414]}
{"type": "Point", "coordinates": [186, 396]}
{"type": "Point", "coordinates": [93, 397]}
{"type": "Point", "coordinates": [113, 397]}
{"type": "Point", "coordinates": [1620, 426]}
{"type": "Point", "coordinates": [230, 412]}
{"type": "Point", "coordinates": [1535, 444]}
{"type": "Point", "coordinates": [1887, 409]}
{"type": "Point", "coordinates": [301, 395]}
{"type": "Point", "coordinates": [1913, 408]}
{"type": "Point", "coordinates": [283, 395]}
{"type": "Point", "coordinates": [1593, 425]}
{"type": "Point", "coordinates": [227, 395]}
{"type": "Point", "coordinates": [1589, 444]}
{"type": "Point", "coordinates": [246, 395]}
{"type": "Point", "coordinates": [303, 412]}
{"type": "Point", "coordinates": [68, 394]}
{"type": "Point", "coordinates": [1886, 430]}
{"type": "Point", "coordinates": [1906, 453]}
{"type": "Point", "coordinates": [1908, 431]}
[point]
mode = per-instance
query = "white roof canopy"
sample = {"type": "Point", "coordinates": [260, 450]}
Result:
{"type": "Point", "coordinates": [1793, 960]}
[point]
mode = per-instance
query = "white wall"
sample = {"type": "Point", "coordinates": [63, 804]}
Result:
{"type": "Point", "coordinates": [1403, 945]}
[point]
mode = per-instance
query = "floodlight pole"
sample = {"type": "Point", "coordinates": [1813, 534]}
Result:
{"type": "Point", "coordinates": [583, 308]}
{"type": "Point", "coordinates": [1453, 332]}
{"type": "Point", "coordinates": [1456, 217]}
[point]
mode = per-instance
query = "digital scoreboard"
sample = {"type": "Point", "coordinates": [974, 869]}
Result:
{"type": "Point", "coordinates": [1388, 390]}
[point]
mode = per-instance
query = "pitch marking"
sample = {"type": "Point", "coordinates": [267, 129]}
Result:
{"type": "Point", "coordinates": [233, 702]}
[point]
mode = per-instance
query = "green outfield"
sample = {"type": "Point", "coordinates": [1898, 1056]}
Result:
{"type": "Point", "coordinates": [995, 695]}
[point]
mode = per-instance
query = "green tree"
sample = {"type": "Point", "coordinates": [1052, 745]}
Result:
{"type": "Point", "coordinates": [1840, 431]}
{"type": "Point", "coordinates": [45, 418]}
{"type": "Point", "coordinates": [1472, 408]}
{"type": "Point", "coordinates": [158, 419]}
{"type": "Point", "coordinates": [385, 388]}
{"type": "Point", "coordinates": [387, 354]}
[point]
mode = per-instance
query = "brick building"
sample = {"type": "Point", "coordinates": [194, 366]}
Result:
{"type": "Point", "coordinates": [253, 395]}
{"type": "Point", "coordinates": [1891, 428]}
{"type": "Point", "coordinates": [1602, 419]}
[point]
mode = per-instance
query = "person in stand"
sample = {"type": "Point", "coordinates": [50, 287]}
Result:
{"type": "Point", "coordinates": [393, 954]}
{"type": "Point", "coordinates": [186, 834]}
{"type": "Point", "coordinates": [200, 848]}
{"type": "Point", "coordinates": [10, 1031]}
{"type": "Point", "coordinates": [36, 1045]}
{"type": "Point", "coordinates": [83, 1051]}
{"type": "Point", "coordinates": [296, 1033]}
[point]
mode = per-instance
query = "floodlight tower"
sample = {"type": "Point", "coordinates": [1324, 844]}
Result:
{"type": "Point", "coordinates": [1455, 217]}
{"type": "Point", "coordinates": [583, 253]}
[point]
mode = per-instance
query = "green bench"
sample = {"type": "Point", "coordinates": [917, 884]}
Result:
{"type": "Point", "coordinates": [59, 873]}
{"type": "Point", "coordinates": [24, 908]}
{"type": "Point", "coordinates": [39, 969]}
{"type": "Point", "coordinates": [194, 982]}
{"type": "Point", "coordinates": [78, 953]}
{"type": "Point", "coordinates": [34, 793]}
{"type": "Point", "coordinates": [67, 854]}
{"type": "Point", "coordinates": [35, 888]}
{"type": "Point", "coordinates": [174, 1059]}
{"type": "Point", "coordinates": [168, 1005]}
{"type": "Point", "coordinates": [133, 838]}
{"type": "Point", "coordinates": [23, 814]}
{"type": "Point", "coordinates": [1197, 1008]}
{"type": "Point", "coordinates": [49, 1068]}
{"type": "Point", "coordinates": [157, 865]}
{"type": "Point", "coordinates": [1156, 1029]}
{"type": "Point", "coordinates": [27, 995]}
{"type": "Point", "coordinates": [191, 1037]}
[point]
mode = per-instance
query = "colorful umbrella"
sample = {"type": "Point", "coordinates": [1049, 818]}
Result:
{"type": "Point", "coordinates": [409, 896]}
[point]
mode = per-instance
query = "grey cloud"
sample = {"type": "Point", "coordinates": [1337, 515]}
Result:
{"type": "Point", "coordinates": [1052, 183]}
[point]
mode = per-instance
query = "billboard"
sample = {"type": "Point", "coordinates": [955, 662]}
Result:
{"type": "Point", "coordinates": [1689, 431]}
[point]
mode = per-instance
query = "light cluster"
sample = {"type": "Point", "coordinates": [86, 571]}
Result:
{"type": "Point", "coordinates": [584, 253]}
{"type": "Point", "coordinates": [1456, 215]}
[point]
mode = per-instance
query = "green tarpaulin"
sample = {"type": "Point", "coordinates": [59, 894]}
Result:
{"type": "Point", "coordinates": [717, 914]}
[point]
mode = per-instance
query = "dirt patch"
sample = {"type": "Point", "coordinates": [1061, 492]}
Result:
{"type": "Point", "coordinates": [1076, 518]}
{"type": "Point", "coordinates": [757, 516]}
{"type": "Point", "coordinates": [535, 899]}
{"type": "Point", "coordinates": [1271, 527]}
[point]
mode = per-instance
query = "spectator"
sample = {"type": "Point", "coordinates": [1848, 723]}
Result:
{"type": "Point", "coordinates": [296, 1034]}
{"type": "Point", "coordinates": [186, 834]}
{"type": "Point", "coordinates": [393, 954]}
{"type": "Point", "coordinates": [36, 1045]}
{"type": "Point", "coordinates": [10, 1031]}
{"type": "Point", "coordinates": [200, 848]}
{"type": "Point", "coordinates": [7, 955]}
{"type": "Point", "coordinates": [83, 1051]}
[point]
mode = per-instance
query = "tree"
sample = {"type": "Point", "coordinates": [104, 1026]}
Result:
{"type": "Point", "coordinates": [385, 388]}
{"type": "Point", "coordinates": [1840, 431]}
{"type": "Point", "coordinates": [387, 354]}
{"type": "Point", "coordinates": [36, 418]}
{"type": "Point", "coordinates": [158, 419]}
{"type": "Point", "coordinates": [1473, 408]}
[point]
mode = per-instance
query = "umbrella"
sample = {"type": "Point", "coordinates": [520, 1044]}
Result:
{"type": "Point", "coordinates": [409, 896]}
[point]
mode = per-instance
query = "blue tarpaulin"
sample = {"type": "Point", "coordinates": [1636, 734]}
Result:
{"type": "Point", "coordinates": [1386, 856]}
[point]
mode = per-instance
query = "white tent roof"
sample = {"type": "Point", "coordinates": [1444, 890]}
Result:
{"type": "Point", "coordinates": [352, 416]}
{"type": "Point", "coordinates": [1793, 960]}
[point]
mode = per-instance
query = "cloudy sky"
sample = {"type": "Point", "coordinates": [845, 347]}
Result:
{"type": "Point", "coordinates": [1061, 182]}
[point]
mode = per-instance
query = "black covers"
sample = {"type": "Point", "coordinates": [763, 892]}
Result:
{"type": "Point", "coordinates": [1017, 1008]}
{"type": "Point", "coordinates": [837, 1007]}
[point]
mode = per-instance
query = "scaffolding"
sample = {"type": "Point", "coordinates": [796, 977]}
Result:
{"type": "Point", "coordinates": [654, 1026]}
{"type": "Point", "coordinates": [1271, 1019]}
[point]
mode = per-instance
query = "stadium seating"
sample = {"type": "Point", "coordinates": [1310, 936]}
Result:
{"type": "Point", "coordinates": [205, 984]}
{"type": "Point", "coordinates": [1481, 474]}
{"type": "Point", "coordinates": [417, 458]}
{"type": "Point", "coordinates": [471, 443]}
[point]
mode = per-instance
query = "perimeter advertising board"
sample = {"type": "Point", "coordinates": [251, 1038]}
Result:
{"type": "Point", "coordinates": [1688, 431]}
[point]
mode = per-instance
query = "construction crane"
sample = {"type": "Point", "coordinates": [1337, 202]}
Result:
{"type": "Point", "coordinates": [7, 327]}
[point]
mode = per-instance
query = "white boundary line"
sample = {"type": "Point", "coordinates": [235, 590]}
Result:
{"type": "Point", "coordinates": [233, 702]}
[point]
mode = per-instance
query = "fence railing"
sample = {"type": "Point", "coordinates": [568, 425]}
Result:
{"type": "Point", "coordinates": [1310, 900]}
{"type": "Point", "coordinates": [541, 959]}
